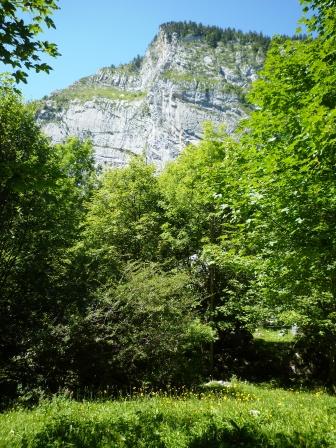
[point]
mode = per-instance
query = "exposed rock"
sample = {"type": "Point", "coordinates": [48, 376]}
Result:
{"type": "Point", "coordinates": [158, 107]}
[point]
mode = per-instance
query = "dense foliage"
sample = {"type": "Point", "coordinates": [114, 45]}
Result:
{"type": "Point", "coordinates": [43, 191]}
{"type": "Point", "coordinates": [20, 24]}
{"type": "Point", "coordinates": [201, 229]}
{"type": "Point", "coordinates": [143, 329]}
{"type": "Point", "coordinates": [290, 188]}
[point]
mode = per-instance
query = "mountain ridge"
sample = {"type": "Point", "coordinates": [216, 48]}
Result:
{"type": "Point", "coordinates": [157, 103]}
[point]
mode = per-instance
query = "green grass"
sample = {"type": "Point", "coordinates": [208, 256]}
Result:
{"type": "Point", "coordinates": [185, 77]}
{"type": "Point", "coordinates": [241, 416]}
{"type": "Point", "coordinates": [87, 93]}
{"type": "Point", "coordinates": [273, 335]}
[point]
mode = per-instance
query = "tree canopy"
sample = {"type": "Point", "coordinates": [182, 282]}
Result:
{"type": "Point", "coordinates": [21, 22]}
{"type": "Point", "coordinates": [213, 34]}
{"type": "Point", "coordinates": [289, 177]}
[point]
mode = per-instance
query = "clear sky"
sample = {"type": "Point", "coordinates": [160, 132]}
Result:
{"type": "Point", "coordinates": [95, 33]}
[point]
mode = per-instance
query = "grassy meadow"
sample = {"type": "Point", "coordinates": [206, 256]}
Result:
{"type": "Point", "coordinates": [237, 415]}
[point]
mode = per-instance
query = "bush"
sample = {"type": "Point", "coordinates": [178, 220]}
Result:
{"type": "Point", "coordinates": [145, 328]}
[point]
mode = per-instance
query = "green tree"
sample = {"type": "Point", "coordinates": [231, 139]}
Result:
{"type": "Point", "coordinates": [144, 322]}
{"type": "Point", "coordinates": [146, 327]}
{"type": "Point", "coordinates": [21, 22]}
{"type": "Point", "coordinates": [319, 16]}
{"type": "Point", "coordinates": [290, 182]}
{"type": "Point", "coordinates": [43, 190]}
{"type": "Point", "coordinates": [203, 213]}
{"type": "Point", "coordinates": [123, 222]}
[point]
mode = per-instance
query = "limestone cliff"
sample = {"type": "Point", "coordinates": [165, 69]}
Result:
{"type": "Point", "coordinates": [156, 105]}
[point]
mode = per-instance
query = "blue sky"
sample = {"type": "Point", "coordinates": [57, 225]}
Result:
{"type": "Point", "coordinates": [94, 33]}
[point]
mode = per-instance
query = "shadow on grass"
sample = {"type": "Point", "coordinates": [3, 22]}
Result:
{"type": "Point", "coordinates": [150, 431]}
{"type": "Point", "coordinates": [251, 437]}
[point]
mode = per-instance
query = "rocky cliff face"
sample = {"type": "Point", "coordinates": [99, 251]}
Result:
{"type": "Point", "coordinates": [156, 105]}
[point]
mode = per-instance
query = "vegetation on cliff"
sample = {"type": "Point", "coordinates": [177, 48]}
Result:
{"type": "Point", "coordinates": [213, 35]}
